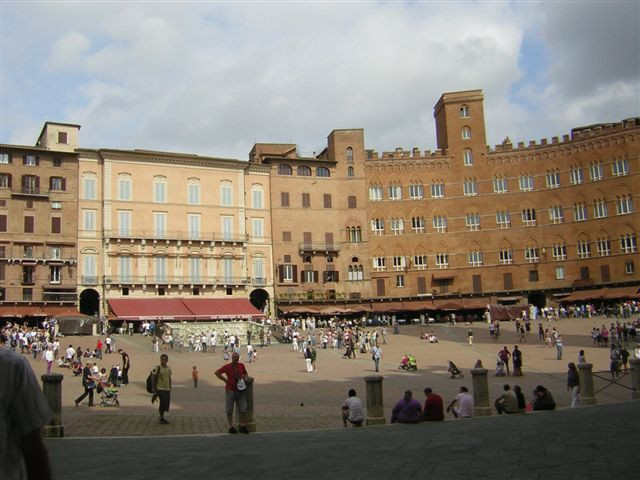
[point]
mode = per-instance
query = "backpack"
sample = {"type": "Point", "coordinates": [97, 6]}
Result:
{"type": "Point", "coordinates": [151, 383]}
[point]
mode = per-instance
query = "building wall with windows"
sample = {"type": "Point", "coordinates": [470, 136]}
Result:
{"type": "Point", "coordinates": [38, 227]}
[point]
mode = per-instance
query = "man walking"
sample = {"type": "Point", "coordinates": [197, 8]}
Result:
{"type": "Point", "coordinates": [234, 375]}
{"type": "Point", "coordinates": [126, 364]}
{"type": "Point", "coordinates": [376, 355]}
{"type": "Point", "coordinates": [162, 387]}
{"type": "Point", "coordinates": [88, 382]}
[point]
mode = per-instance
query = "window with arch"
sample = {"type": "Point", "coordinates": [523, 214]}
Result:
{"type": "Point", "coordinates": [420, 262]}
{"type": "Point", "coordinates": [416, 191]}
{"type": "Point", "coordinates": [500, 184]}
{"type": "Point", "coordinates": [418, 224]}
{"type": "Point", "coordinates": [124, 187]}
{"type": "Point", "coordinates": [440, 223]}
{"type": "Point", "coordinates": [556, 214]}
{"type": "Point", "coordinates": [576, 175]}
{"type": "Point", "coordinates": [505, 256]}
{"type": "Point", "coordinates": [559, 252]}
{"type": "Point", "coordinates": [529, 217]}
{"type": "Point", "coordinates": [349, 154]}
{"type": "Point", "coordinates": [193, 191]}
{"type": "Point", "coordinates": [583, 248]}
{"type": "Point", "coordinates": [89, 186]}
{"type": "Point", "coordinates": [604, 246]}
{"type": "Point", "coordinates": [624, 204]}
{"type": "Point", "coordinates": [503, 219]}
{"type": "Point", "coordinates": [395, 192]}
{"type": "Point", "coordinates": [159, 189]}
{"type": "Point", "coordinates": [284, 169]}
{"type": "Point", "coordinates": [470, 187]}
{"type": "Point", "coordinates": [596, 172]}
{"type": "Point", "coordinates": [473, 221]}
{"type": "Point", "coordinates": [397, 226]}
{"type": "Point", "coordinates": [532, 254]}
{"type": "Point", "coordinates": [464, 111]}
{"type": "Point", "coordinates": [628, 243]}
{"type": "Point", "coordinates": [442, 260]}
{"type": "Point", "coordinates": [553, 178]}
{"type": "Point", "coordinates": [304, 171]}
{"type": "Point", "coordinates": [475, 258]}
{"type": "Point", "coordinates": [599, 208]}
{"type": "Point", "coordinates": [579, 211]}
{"type": "Point", "coordinates": [466, 133]}
{"type": "Point", "coordinates": [257, 196]}
{"type": "Point", "coordinates": [377, 226]}
{"type": "Point", "coordinates": [226, 193]}
{"type": "Point", "coordinates": [354, 234]}
{"type": "Point", "coordinates": [620, 167]}
{"type": "Point", "coordinates": [467, 157]}
{"type": "Point", "coordinates": [322, 172]}
{"type": "Point", "coordinates": [355, 273]}
{"type": "Point", "coordinates": [375, 193]}
{"type": "Point", "coordinates": [350, 171]}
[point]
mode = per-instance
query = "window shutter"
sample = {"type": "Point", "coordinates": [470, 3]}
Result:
{"type": "Point", "coordinates": [1, 271]}
{"type": "Point", "coordinates": [37, 161]}
{"type": "Point", "coordinates": [9, 180]}
{"type": "Point", "coordinates": [295, 274]}
{"type": "Point", "coordinates": [328, 238]}
{"type": "Point", "coordinates": [37, 184]}
{"type": "Point", "coordinates": [28, 224]}
{"type": "Point", "coordinates": [306, 238]}
{"type": "Point", "coordinates": [336, 276]}
{"type": "Point", "coordinates": [3, 223]}
{"type": "Point", "coordinates": [50, 183]}
{"type": "Point", "coordinates": [477, 283]}
{"type": "Point", "coordinates": [380, 287]}
{"type": "Point", "coordinates": [55, 225]}
{"type": "Point", "coordinates": [422, 285]}
{"type": "Point", "coordinates": [64, 184]}
{"type": "Point", "coordinates": [351, 201]}
{"type": "Point", "coordinates": [280, 273]}
{"type": "Point", "coordinates": [24, 159]}
{"type": "Point", "coordinates": [315, 276]}
{"type": "Point", "coordinates": [508, 281]}
{"type": "Point", "coordinates": [10, 158]}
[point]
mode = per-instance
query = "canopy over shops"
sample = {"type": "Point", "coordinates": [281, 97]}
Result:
{"type": "Point", "coordinates": [600, 294]}
{"type": "Point", "coordinates": [181, 309]}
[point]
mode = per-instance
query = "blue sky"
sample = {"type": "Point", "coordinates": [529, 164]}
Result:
{"type": "Point", "coordinates": [212, 78]}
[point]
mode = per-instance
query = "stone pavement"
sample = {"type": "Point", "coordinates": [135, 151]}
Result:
{"type": "Point", "coordinates": [599, 443]}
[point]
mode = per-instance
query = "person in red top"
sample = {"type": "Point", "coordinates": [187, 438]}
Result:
{"type": "Point", "coordinates": [234, 378]}
{"type": "Point", "coordinates": [433, 407]}
{"type": "Point", "coordinates": [99, 349]}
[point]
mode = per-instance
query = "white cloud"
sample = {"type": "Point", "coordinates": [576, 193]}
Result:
{"type": "Point", "coordinates": [214, 78]}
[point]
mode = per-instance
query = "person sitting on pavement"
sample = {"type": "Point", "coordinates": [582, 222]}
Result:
{"type": "Point", "coordinates": [507, 402]}
{"type": "Point", "coordinates": [407, 410]}
{"type": "Point", "coordinates": [522, 403]}
{"type": "Point", "coordinates": [404, 363]}
{"type": "Point", "coordinates": [433, 410]}
{"type": "Point", "coordinates": [543, 400]}
{"type": "Point", "coordinates": [465, 404]}
{"type": "Point", "coordinates": [352, 410]}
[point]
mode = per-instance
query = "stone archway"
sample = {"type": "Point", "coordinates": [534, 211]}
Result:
{"type": "Point", "coordinates": [259, 298]}
{"type": "Point", "coordinates": [89, 302]}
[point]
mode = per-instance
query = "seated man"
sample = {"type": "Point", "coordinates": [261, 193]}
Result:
{"type": "Point", "coordinates": [507, 402]}
{"type": "Point", "coordinates": [352, 411]}
{"type": "Point", "coordinates": [404, 363]}
{"type": "Point", "coordinates": [433, 407]}
{"type": "Point", "coordinates": [543, 400]}
{"type": "Point", "coordinates": [407, 410]}
{"type": "Point", "coordinates": [413, 363]}
{"type": "Point", "coordinates": [465, 404]}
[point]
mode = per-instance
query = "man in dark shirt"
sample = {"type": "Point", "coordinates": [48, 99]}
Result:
{"type": "Point", "coordinates": [126, 364]}
{"type": "Point", "coordinates": [543, 399]}
{"type": "Point", "coordinates": [433, 407]}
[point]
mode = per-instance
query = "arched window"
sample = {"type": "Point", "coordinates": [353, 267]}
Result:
{"type": "Point", "coordinates": [304, 171]}
{"type": "Point", "coordinates": [467, 156]}
{"type": "Point", "coordinates": [322, 172]}
{"type": "Point", "coordinates": [350, 172]}
{"type": "Point", "coordinates": [349, 154]}
{"type": "Point", "coordinates": [466, 133]}
{"type": "Point", "coordinates": [284, 169]}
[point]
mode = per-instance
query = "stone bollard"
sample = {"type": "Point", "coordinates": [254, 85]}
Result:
{"type": "Point", "coordinates": [375, 405]}
{"type": "Point", "coordinates": [248, 418]}
{"type": "Point", "coordinates": [52, 389]}
{"type": "Point", "coordinates": [481, 405]}
{"type": "Point", "coordinates": [635, 378]}
{"type": "Point", "coordinates": [585, 375]}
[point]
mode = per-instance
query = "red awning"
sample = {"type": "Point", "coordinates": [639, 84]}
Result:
{"type": "Point", "coordinates": [419, 305]}
{"type": "Point", "coordinates": [212, 308]}
{"type": "Point", "coordinates": [583, 295]}
{"type": "Point", "coordinates": [150, 309]}
{"type": "Point", "coordinates": [21, 311]}
{"type": "Point", "coordinates": [622, 292]}
{"type": "Point", "coordinates": [388, 307]}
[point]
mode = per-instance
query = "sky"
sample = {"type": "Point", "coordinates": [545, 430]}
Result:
{"type": "Point", "coordinates": [213, 78]}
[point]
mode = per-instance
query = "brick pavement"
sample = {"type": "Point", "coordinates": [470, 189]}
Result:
{"type": "Point", "coordinates": [288, 398]}
{"type": "Point", "coordinates": [598, 443]}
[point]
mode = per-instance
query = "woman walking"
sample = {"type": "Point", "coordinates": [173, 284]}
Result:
{"type": "Point", "coordinates": [573, 384]}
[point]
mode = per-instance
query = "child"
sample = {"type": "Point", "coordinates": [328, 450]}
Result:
{"type": "Point", "coordinates": [194, 376]}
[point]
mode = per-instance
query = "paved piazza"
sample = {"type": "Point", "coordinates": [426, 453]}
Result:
{"type": "Point", "coordinates": [288, 398]}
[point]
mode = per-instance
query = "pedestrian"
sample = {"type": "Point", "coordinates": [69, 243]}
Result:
{"type": "Point", "coordinates": [517, 361]}
{"type": "Point", "coordinates": [464, 400]}
{"type": "Point", "coordinates": [581, 357]}
{"type": "Point", "coordinates": [108, 342]}
{"type": "Point", "coordinates": [48, 356]}
{"type": "Point", "coordinates": [249, 352]}
{"type": "Point", "coordinates": [615, 362]}
{"type": "Point", "coordinates": [540, 332]}
{"type": "Point", "coordinates": [433, 410]}
{"type": "Point", "coordinates": [314, 356]}
{"type": "Point", "coordinates": [507, 402]}
{"type": "Point", "coordinates": [89, 384]}
{"type": "Point", "coordinates": [559, 347]}
{"type": "Point", "coordinates": [352, 410]}
{"type": "Point", "coordinates": [126, 364]}
{"type": "Point", "coordinates": [235, 375]}
{"type": "Point", "coordinates": [407, 410]}
{"type": "Point", "coordinates": [504, 356]}
{"type": "Point", "coordinates": [573, 384]}
{"type": "Point", "coordinates": [99, 349]}
{"type": "Point", "coordinates": [23, 412]}
{"type": "Point", "coordinates": [194, 376]}
{"type": "Point", "coordinates": [376, 355]}
{"type": "Point", "coordinates": [470, 337]}
{"type": "Point", "coordinates": [162, 387]}
{"type": "Point", "coordinates": [624, 358]}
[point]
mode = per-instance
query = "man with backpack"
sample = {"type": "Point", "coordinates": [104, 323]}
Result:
{"type": "Point", "coordinates": [161, 379]}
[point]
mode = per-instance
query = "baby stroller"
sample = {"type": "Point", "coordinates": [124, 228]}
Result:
{"type": "Point", "coordinates": [109, 397]}
{"type": "Point", "coordinates": [499, 368]}
{"type": "Point", "coordinates": [454, 370]}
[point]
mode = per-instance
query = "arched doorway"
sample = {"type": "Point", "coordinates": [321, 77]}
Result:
{"type": "Point", "coordinates": [89, 302]}
{"type": "Point", "coordinates": [259, 298]}
{"type": "Point", "coordinates": [538, 299]}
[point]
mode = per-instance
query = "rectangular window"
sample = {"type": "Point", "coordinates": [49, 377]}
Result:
{"type": "Point", "coordinates": [287, 273]}
{"type": "Point", "coordinates": [503, 219]}
{"type": "Point", "coordinates": [56, 225]}
{"type": "Point", "coordinates": [27, 294]}
{"type": "Point", "coordinates": [326, 199]}
{"type": "Point", "coordinates": [258, 271]}
{"type": "Point", "coordinates": [306, 200]}
{"type": "Point", "coordinates": [55, 274]}
{"type": "Point", "coordinates": [124, 188]}
{"type": "Point", "coordinates": [286, 236]}
{"type": "Point", "coordinates": [193, 224]}
{"type": "Point", "coordinates": [375, 194]}
{"type": "Point", "coordinates": [56, 205]}
{"type": "Point", "coordinates": [257, 225]}
{"type": "Point", "coordinates": [628, 244]}
{"type": "Point", "coordinates": [89, 220]}
{"type": "Point", "coordinates": [5, 159]}
{"type": "Point", "coordinates": [193, 194]}
{"type": "Point", "coordinates": [473, 221]}
{"type": "Point", "coordinates": [576, 176]}
{"type": "Point", "coordinates": [160, 191]}
{"type": "Point", "coordinates": [257, 197]}
{"type": "Point", "coordinates": [30, 160]}
{"type": "Point", "coordinates": [440, 224]}
{"type": "Point", "coordinates": [629, 267]}
{"type": "Point", "coordinates": [380, 288]}
{"type": "Point", "coordinates": [89, 188]}
{"type": "Point", "coordinates": [596, 171]}
{"type": "Point", "coordinates": [352, 201]}
{"type": "Point", "coordinates": [395, 192]}
{"type": "Point", "coordinates": [422, 285]}
{"type": "Point", "coordinates": [5, 180]}
{"type": "Point", "coordinates": [437, 190]}
{"type": "Point", "coordinates": [420, 262]}
{"type": "Point", "coordinates": [620, 167]}
{"type": "Point", "coordinates": [308, 276]}
{"type": "Point", "coordinates": [30, 184]}
{"type": "Point", "coordinates": [28, 275]}
{"type": "Point", "coordinates": [124, 265]}
{"type": "Point", "coordinates": [397, 226]}
{"type": "Point", "coordinates": [442, 260]}
{"type": "Point", "coordinates": [57, 184]}
{"type": "Point", "coordinates": [604, 247]}
{"type": "Point", "coordinates": [416, 191]}
{"type": "Point", "coordinates": [418, 224]}
{"type": "Point", "coordinates": [500, 185]}
{"type": "Point", "coordinates": [57, 162]}
{"type": "Point", "coordinates": [584, 273]}
{"type": "Point", "coordinates": [124, 223]}
{"type": "Point", "coordinates": [605, 273]}
{"type": "Point", "coordinates": [553, 179]}
{"type": "Point", "coordinates": [533, 275]}
{"type": "Point", "coordinates": [556, 214]}
{"type": "Point", "coordinates": [227, 227]}
{"type": "Point", "coordinates": [379, 264]}
{"type": "Point", "coordinates": [526, 183]}
{"type": "Point", "coordinates": [29, 224]}
{"type": "Point", "coordinates": [160, 269]}
{"type": "Point", "coordinates": [624, 205]}
{"type": "Point", "coordinates": [55, 253]}
{"type": "Point", "coordinates": [89, 269]}
{"type": "Point", "coordinates": [226, 194]}
{"type": "Point", "coordinates": [531, 255]}
{"type": "Point", "coordinates": [399, 281]}
{"type": "Point", "coordinates": [284, 199]}
{"type": "Point", "coordinates": [62, 137]}
{"type": "Point", "coordinates": [27, 251]}
{"type": "Point", "coordinates": [467, 157]}
{"type": "Point", "coordinates": [477, 283]}
{"type": "Point", "coordinates": [507, 280]}
{"type": "Point", "coordinates": [470, 188]}
{"type": "Point", "coordinates": [3, 223]}
{"type": "Point", "coordinates": [194, 269]}
{"type": "Point", "coordinates": [160, 224]}
{"type": "Point", "coordinates": [505, 256]}
{"type": "Point", "coordinates": [560, 273]}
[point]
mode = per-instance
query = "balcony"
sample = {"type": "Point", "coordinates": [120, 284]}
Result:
{"type": "Point", "coordinates": [172, 235]}
{"type": "Point", "coordinates": [89, 280]}
{"type": "Point", "coordinates": [29, 191]}
{"type": "Point", "coordinates": [175, 280]}
{"type": "Point", "coordinates": [259, 281]}
{"type": "Point", "coordinates": [318, 247]}
{"type": "Point", "coordinates": [53, 296]}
